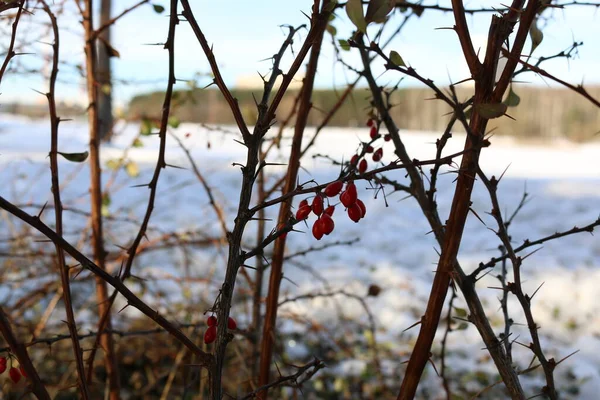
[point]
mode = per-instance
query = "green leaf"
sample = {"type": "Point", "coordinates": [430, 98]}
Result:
{"type": "Point", "coordinates": [462, 326]}
{"type": "Point", "coordinates": [137, 143]}
{"type": "Point", "coordinates": [106, 199]}
{"type": "Point", "coordinates": [354, 9]}
{"type": "Point", "coordinates": [331, 29]}
{"type": "Point", "coordinates": [344, 45]}
{"type": "Point", "coordinates": [106, 89]}
{"type": "Point", "coordinates": [145, 127]}
{"type": "Point", "coordinates": [460, 312]}
{"type": "Point", "coordinates": [330, 6]}
{"type": "Point", "coordinates": [491, 111]}
{"type": "Point", "coordinates": [75, 157]}
{"type": "Point", "coordinates": [378, 10]}
{"type": "Point", "coordinates": [536, 36]}
{"type": "Point", "coordinates": [396, 59]}
{"type": "Point", "coordinates": [113, 164]}
{"type": "Point", "coordinates": [158, 8]}
{"type": "Point", "coordinates": [174, 122]}
{"type": "Point", "coordinates": [512, 100]}
{"type": "Point", "coordinates": [104, 210]}
{"type": "Point", "coordinates": [132, 169]}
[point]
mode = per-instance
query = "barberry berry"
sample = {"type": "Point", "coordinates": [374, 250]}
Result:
{"type": "Point", "coordinates": [317, 204]}
{"type": "Point", "coordinates": [14, 374]}
{"type": "Point", "coordinates": [378, 154]}
{"type": "Point", "coordinates": [210, 335]}
{"type": "Point", "coordinates": [362, 166]}
{"type": "Point", "coordinates": [231, 324]}
{"type": "Point", "coordinates": [333, 189]}
{"type": "Point", "coordinates": [327, 224]}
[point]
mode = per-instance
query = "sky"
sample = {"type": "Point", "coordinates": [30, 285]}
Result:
{"type": "Point", "coordinates": [246, 33]}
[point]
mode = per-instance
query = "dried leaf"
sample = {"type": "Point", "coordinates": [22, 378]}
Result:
{"type": "Point", "coordinates": [378, 10]}
{"type": "Point", "coordinates": [354, 9]}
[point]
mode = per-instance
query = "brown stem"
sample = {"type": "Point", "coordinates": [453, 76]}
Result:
{"type": "Point", "coordinates": [64, 269]}
{"type": "Point", "coordinates": [259, 277]}
{"type": "Point", "coordinates": [106, 340]}
{"type": "Point", "coordinates": [525, 20]}
{"type": "Point", "coordinates": [462, 29]}
{"type": "Point", "coordinates": [37, 387]}
{"type": "Point", "coordinates": [304, 107]}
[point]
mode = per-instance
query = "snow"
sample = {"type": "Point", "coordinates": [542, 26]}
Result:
{"type": "Point", "coordinates": [395, 250]}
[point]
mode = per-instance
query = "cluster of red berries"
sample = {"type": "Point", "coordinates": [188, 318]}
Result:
{"type": "Point", "coordinates": [211, 333]}
{"type": "Point", "coordinates": [14, 373]}
{"type": "Point", "coordinates": [362, 164]}
{"type": "Point", "coordinates": [324, 224]}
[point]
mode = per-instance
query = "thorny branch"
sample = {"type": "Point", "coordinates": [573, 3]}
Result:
{"type": "Point", "coordinates": [516, 288]}
{"type": "Point", "coordinates": [64, 269]}
{"type": "Point", "coordinates": [13, 36]}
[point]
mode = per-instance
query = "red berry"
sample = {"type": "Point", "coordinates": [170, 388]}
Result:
{"type": "Point", "coordinates": [2, 360]}
{"type": "Point", "coordinates": [210, 335]}
{"type": "Point", "coordinates": [211, 321]}
{"type": "Point", "coordinates": [317, 229]}
{"type": "Point", "coordinates": [373, 133]}
{"type": "Point", "coordinates": [354, 212]}
{"type": "Point", "coordinates": [317, 205]}
{"type": "Point", "coordinates": [369, 149]}
{"type": "Point", "coordinates": [354, 159]}
{"type": "Point", "coordinates": [362, 166]}
{"type": "Point", "coordinates": [349, 195]}
{"type": "Point", "coordinates": [329, 210]}
{"type": "Point", "coordinates": [231, 324]}
{"type": "Point", "coordinates": [303, 212]}
{"type": "Point", "coordinates": [333, 189]}
{"type": "Point", "coordinates": [327, 224]}
{"type": "Point", "coordinates": [378, 154]}
{"type": "Point", "coordinates": [23, 372]}
{"type": "Point", "coordinates": [2, 368]}
{"type": "Point", "coordinates": [14, 375]}
{"type": "Point", "coordinates": [303, 203]}
{"type": "Point", "coordinates": [363, 208]}
{"type": "Point", "coordinates": [370, 122]}
{"type": "Point", "coordinates": [387, 137]}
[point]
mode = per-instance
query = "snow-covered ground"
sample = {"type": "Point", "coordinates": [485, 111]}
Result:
{"type": "Point", "coordinates": [395, 250]}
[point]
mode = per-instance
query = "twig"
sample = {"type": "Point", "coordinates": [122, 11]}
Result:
{"type": "Point", "coordinates": [315, 365]}
{"type": "Point", "coordinates": [11, 47]}
{"type": "Point", "coordinates": [110, 22]}
{"type": "Point", "coordinates": [64, 270]}
{"type": "Point", "coordinates": [577, 89]}
{"type": "Point", "coordinates": [516, 288]}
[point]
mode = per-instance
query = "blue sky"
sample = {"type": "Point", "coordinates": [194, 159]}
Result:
{"type": "Point", "coordinates": [245, 32]}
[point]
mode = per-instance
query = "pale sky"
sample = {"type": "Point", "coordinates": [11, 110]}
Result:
{"type": "Point", "coordinates": [245, 32]}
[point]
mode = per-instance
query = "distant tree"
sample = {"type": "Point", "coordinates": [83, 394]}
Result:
{"type": "Point", "coordinates": [104, 77]}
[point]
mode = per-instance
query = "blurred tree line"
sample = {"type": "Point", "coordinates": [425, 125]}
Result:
{"type": "Point", "coordinates": [540, 113]}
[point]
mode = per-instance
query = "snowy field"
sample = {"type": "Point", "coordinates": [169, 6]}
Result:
{"type": "Point", "coordinates": [394, 252]}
